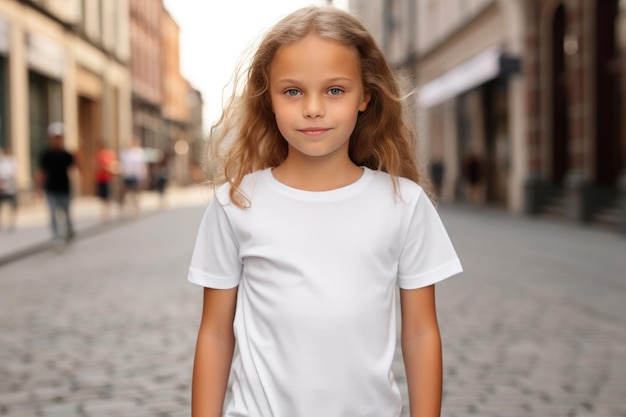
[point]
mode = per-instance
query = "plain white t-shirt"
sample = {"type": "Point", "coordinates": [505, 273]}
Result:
{"type": "Point", "coordinates": [133, 163]}
{"type": "Point", "coordinates": [315, 323]}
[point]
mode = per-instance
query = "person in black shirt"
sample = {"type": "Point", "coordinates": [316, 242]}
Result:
{"type": "Point", "coordinates": [54, 165]}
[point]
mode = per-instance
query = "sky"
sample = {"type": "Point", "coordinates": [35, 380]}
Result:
{"type": "Point", "coordinates": [215, 34]}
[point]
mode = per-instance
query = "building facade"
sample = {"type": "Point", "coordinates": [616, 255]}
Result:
{"type": "Point", "coordinates": [83, 63]}
{"type": "Point", "coordinates": [146, 72]}
{"type": "Point", "coordinates": [163, 101]}
{"type": "Point", "coordinates": [529, 92]}
{"type": "Point", "coordinates": [62, 61]}
{"type": "Point", "coordinates": [576, 95]}
{"type": "Point", "coordinates": [179, 103]}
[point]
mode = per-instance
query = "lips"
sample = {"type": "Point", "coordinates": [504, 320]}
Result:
{"type": "Point", "coordinates": [314, 131]}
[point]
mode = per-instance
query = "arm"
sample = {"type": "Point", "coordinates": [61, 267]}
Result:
{"type": "Point", "coordinates": [214, 352]}
{"type": "Point", "coordinates": [421, 348]}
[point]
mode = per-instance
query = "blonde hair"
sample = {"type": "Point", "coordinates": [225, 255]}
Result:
{"type": "Point", "coordinates": [246, 138]}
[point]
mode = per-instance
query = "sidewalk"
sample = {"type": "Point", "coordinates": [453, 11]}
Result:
{"type": "Point", "coordinates": [32, 232]}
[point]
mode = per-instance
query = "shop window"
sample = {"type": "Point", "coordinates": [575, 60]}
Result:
{"type": "Point", "coordinates": [45, 105]}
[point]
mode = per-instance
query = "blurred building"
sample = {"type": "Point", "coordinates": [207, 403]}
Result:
{"type": "Point", "coordinates": [525, 95]}
{"type": "Point", "coordinates": [197, 138]}
{"type": "Point", "coordinates": [164, 102]}
{"type": "Point", "coordinates": [147, 71]}
{"type": "Point", "coordinates": [108, 69]}
{"type": "Point", "coordinates": [177, 103]}
{"type": "Point", "coordinates": [63, 61]}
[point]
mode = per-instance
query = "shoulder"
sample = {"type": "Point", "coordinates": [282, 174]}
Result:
{"type": "Point", "coordinates": [405, 189]}
{"type": "Point", "coordinates": [247, 187]}
{"type": "Point", "coordinates": [410, 188]}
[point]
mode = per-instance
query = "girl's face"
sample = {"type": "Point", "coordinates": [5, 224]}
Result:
{"type": "Point", "coordinates": [316, 93]}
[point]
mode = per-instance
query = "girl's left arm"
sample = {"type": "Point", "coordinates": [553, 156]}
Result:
{"type": "Point", "coordinates": [421, 348]}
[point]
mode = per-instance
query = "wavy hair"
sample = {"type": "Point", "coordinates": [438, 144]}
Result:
{"type": "Point", "coordinates": [246, 137]}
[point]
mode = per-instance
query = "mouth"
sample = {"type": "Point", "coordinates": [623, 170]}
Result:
{"type": "Point", "coordinates": [313, 131]}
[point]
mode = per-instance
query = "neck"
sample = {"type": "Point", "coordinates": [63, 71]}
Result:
{"type": "Point", "coordinates": [317, 174]}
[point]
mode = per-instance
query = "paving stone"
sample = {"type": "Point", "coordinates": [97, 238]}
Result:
{"type": "Point", "coordinates": [60, 410]}
{"type": "Point", "coordinates": [9, 398]}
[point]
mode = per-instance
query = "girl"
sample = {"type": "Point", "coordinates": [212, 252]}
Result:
{"type": "Point", "coordinates": [320, 218]}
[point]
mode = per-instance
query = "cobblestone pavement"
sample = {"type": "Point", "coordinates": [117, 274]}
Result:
{"type": "Point", "coordinates": [536, 326]}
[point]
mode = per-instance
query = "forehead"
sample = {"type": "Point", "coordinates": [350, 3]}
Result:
{"type": "Point", "coordinates": [314, 55]}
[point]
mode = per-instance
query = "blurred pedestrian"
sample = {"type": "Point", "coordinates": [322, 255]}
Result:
{"type": "Point", "coordinates": [321, 213]}
{"type": "Point", "coordinates": [8, 186]}
{"type": "Point", "coordinates": [106, 168]}
{"type": "Point", "coordinates": [437, 171]}
{"type": "Point", "coordinates": [53, 177]}
{"type": "Point", "coordinates": [473, 172]}
{"type": "Point", "coordinates": [134, 171]}
{"type": "Point", "coordinates": [161, 176]}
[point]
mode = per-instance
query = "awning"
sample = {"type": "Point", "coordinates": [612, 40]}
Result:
{"type": "Point", "coordinates": [45, 55]}
{"type": "Point", "coordinates": [477, 70]}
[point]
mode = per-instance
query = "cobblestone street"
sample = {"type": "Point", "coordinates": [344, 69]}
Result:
{"type": "Point", "coordinates": [536, 326]}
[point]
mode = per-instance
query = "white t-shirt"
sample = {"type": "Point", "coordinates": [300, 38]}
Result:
{"type": "Point", "coordinates": [317, 272]}
{"type": "Point", "coordinates": [133, 162]}
{"type": "Point", "coordinates": [8, 170]}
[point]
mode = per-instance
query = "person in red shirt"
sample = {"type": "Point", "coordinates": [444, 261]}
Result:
{"type": "Point", "coordinates": [106, 168]}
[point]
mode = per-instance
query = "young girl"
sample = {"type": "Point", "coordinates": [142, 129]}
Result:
{"type": "Point", "coordinates": [320, 219]}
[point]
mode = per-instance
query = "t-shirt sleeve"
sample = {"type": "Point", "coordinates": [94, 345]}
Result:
{"type": "Point", "coordinates": [215, 262]}
{"type": "Point", "coordinates": [428, 255]}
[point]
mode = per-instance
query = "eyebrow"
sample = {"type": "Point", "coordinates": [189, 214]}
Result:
{"type": "Point", "coordinates": [330, 80]}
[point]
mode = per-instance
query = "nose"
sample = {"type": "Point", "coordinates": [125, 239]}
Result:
{"type": "Point", "coordinates": [313, 107]}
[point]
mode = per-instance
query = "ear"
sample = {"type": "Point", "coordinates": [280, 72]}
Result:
{"type": "Point", "coordinates": [365, 101]}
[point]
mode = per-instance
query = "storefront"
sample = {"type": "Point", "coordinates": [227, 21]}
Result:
{"type": "Point", "coordinates": [471, 98]}
{"type": "Point", "coordinates": [45, 61]}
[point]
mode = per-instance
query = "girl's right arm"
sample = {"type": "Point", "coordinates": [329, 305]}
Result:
{"type": "Point", "coordinates": [214, 352]}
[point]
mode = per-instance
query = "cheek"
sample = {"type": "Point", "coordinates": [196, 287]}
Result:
{"type": "Point", "coordinates": [282, 123]}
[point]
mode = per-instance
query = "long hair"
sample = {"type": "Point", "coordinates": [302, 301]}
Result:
{"type": "Point", "coordinates": [246, 137]}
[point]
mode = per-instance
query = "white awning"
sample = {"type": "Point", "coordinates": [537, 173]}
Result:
{"type": "Point", "coordinates": [472, 73]}
{"type": "Point", "coordinates": [45, 55]}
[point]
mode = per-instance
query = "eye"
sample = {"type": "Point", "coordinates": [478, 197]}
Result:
{"type": "Point", "coordinates": [292, 92]}
{"type": "Point", "coordinates": [335, 91]}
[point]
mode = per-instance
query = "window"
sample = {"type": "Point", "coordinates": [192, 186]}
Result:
{"type": "Point", "coordinates": [45, 106]}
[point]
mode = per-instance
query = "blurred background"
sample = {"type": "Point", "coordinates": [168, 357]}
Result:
{"type": "Point", "coordinates": [519, 102]}
{"type": "Point", "coordinates": [520, 106]}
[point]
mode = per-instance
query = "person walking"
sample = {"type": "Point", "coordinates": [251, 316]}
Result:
{"type": "Point", "coordinates": [161, 177]}
{"type": "Point", "coordinates": [321, 211]}
{"type": "Point", "coordinates": [473, 173]}
{"type": "Point", "coordinates": [437, 170]}
{"type": "Point", "coordinates": [53, 177]}
{"type": "Point", "coordinates": [134, 171]}
{"type": "Point", "coordinates": [106, 168]}
{"type": "Point", "coordinates": [8, 186]}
